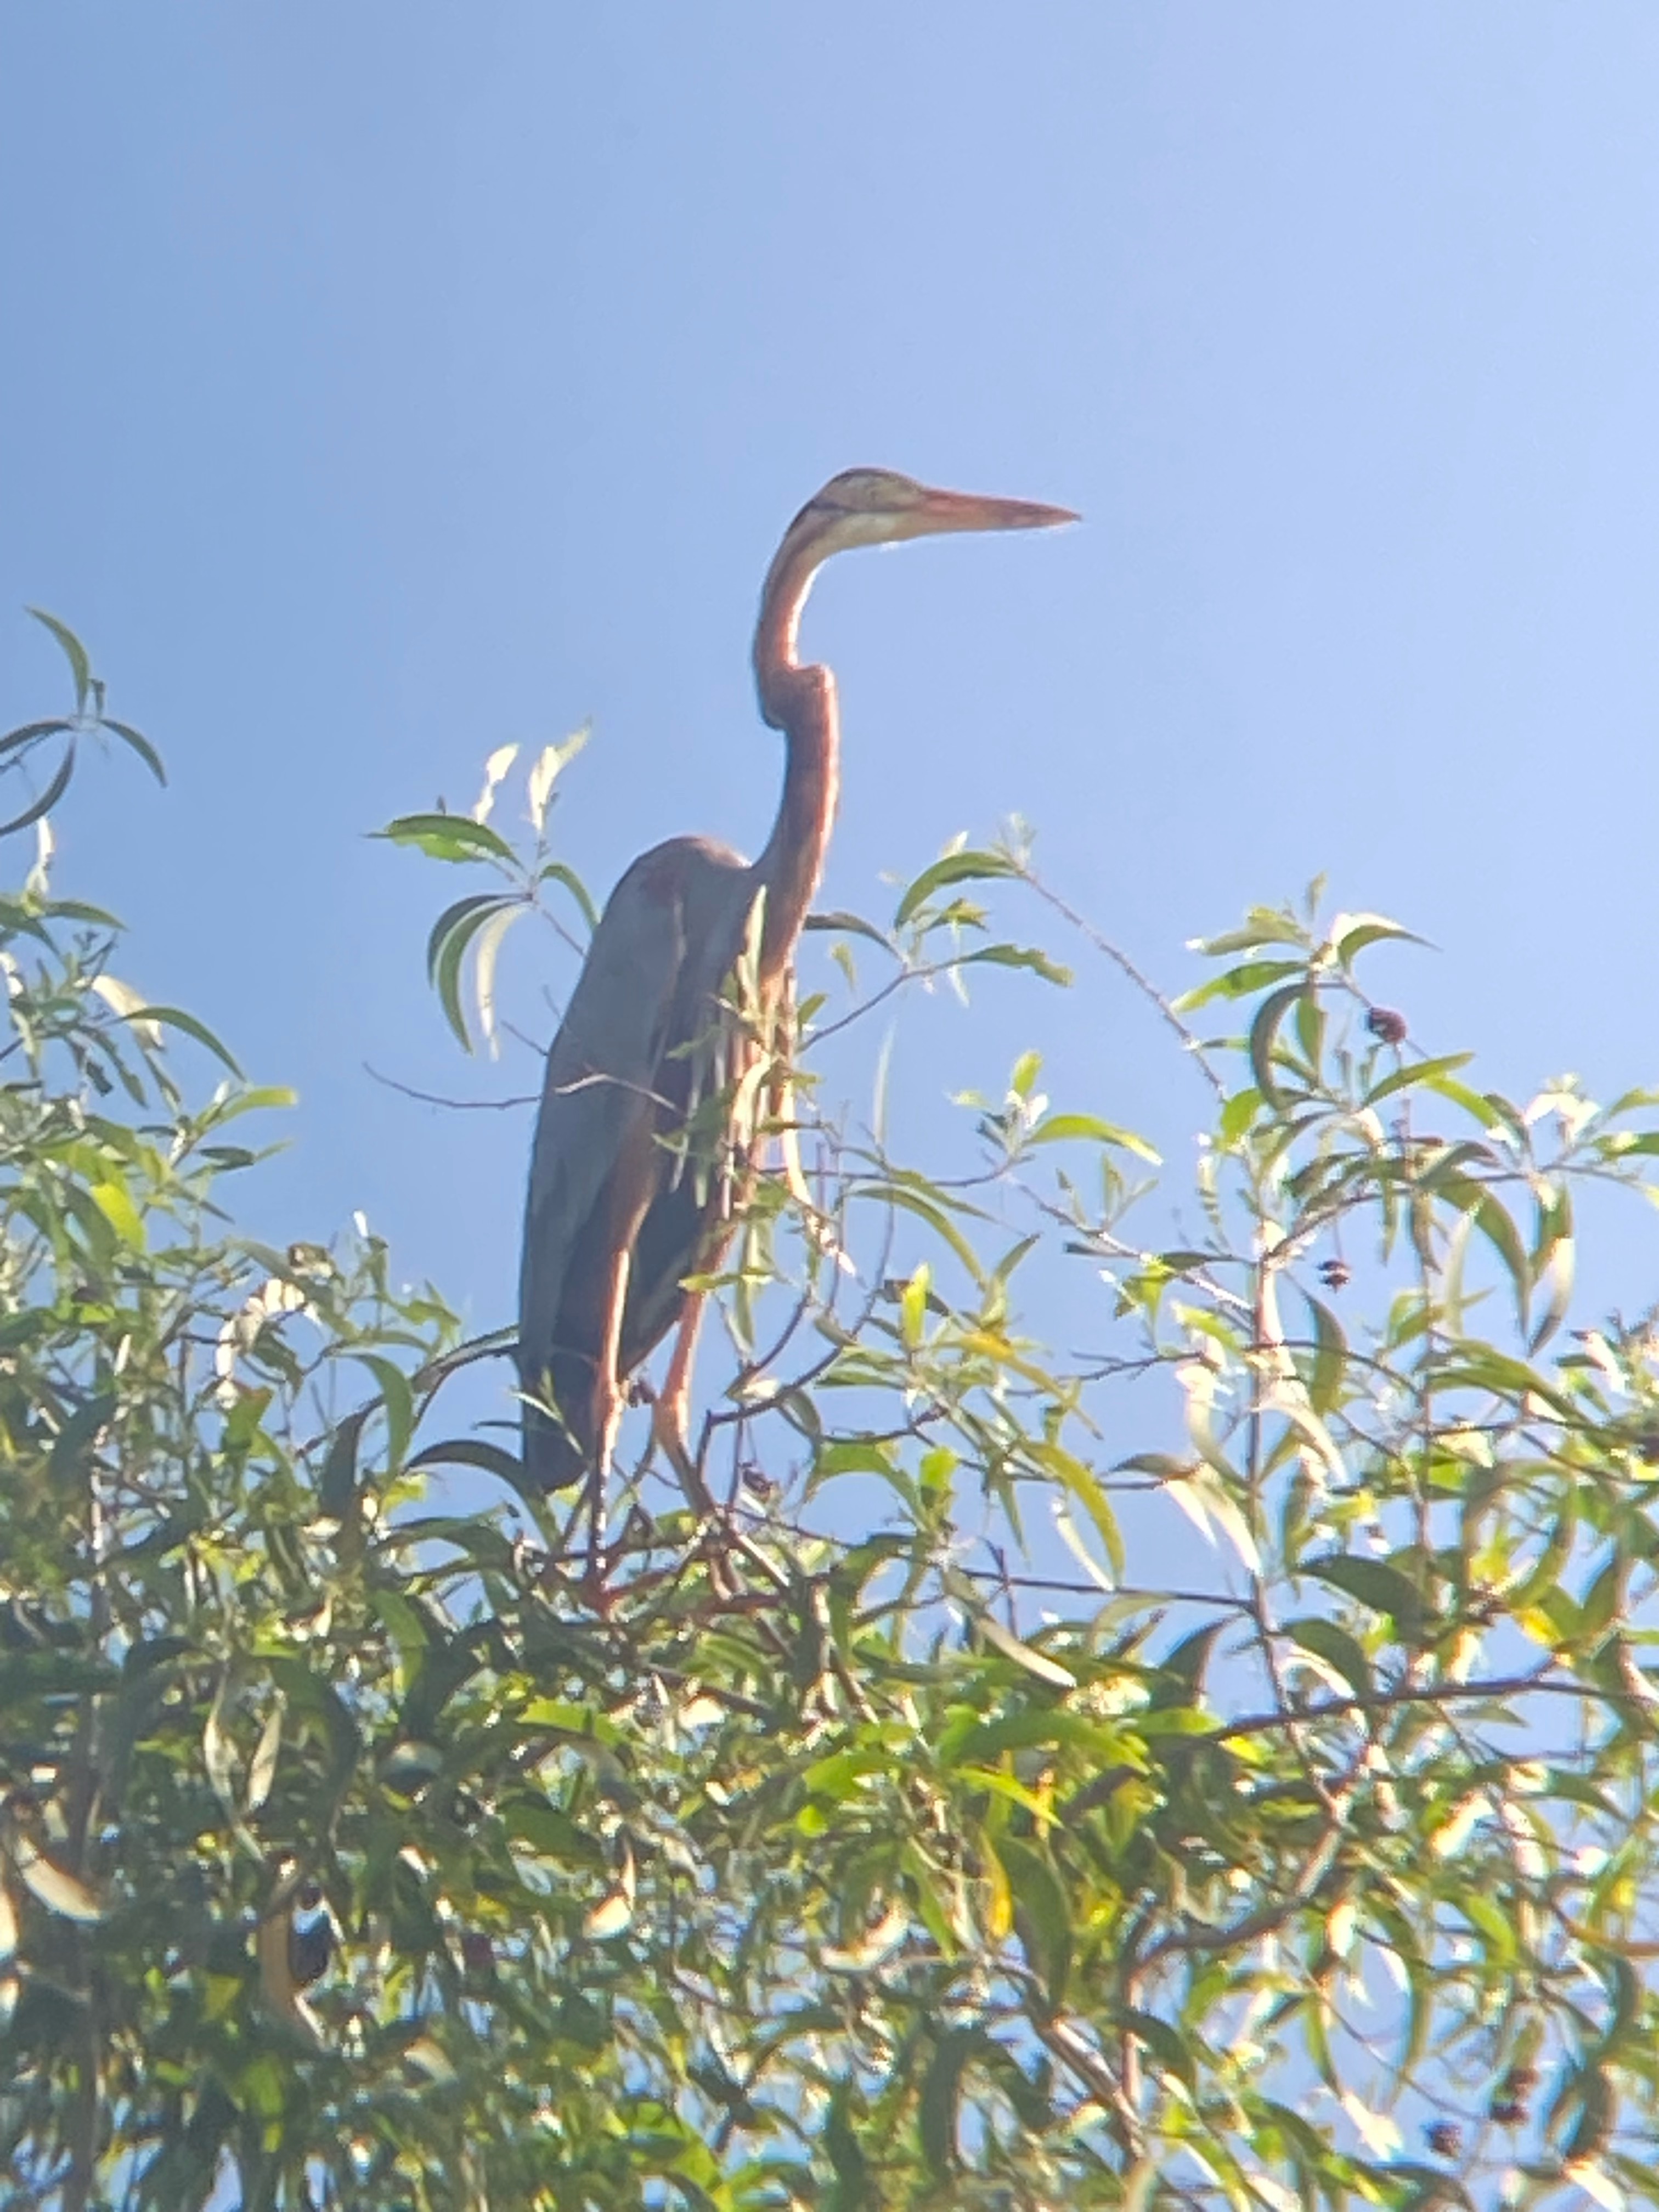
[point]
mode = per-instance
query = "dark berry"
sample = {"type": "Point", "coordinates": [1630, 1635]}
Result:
{"type": "Point", "coordinates": [309, 1949]}
{"type": "Point", "coordinates": [1387, 1026]}
{"type": "Point", "coordinates": [1334, 1274]}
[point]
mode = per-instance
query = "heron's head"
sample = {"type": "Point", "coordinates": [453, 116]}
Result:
{"type": "Point", "coordinates": [878, 507]}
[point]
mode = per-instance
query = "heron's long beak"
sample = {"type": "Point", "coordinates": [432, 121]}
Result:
{"type": "Point", "coordinates": [940, 511]}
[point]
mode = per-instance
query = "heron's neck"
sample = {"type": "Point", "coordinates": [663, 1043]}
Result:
{"type": "Point", "coordinates": [801, 702]}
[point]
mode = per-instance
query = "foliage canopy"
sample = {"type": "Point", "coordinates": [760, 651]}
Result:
{"type": "Point", "coordinates": [359, 1849]}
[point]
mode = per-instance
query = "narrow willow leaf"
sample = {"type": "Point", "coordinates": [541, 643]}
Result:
{"type": "Point", "coordinates": [468, 1452]}
{"type": "Point", "coordinates": [1080, 1552]}
{"type": "Point", "coordinates": [398, 1400]}
{"type": "Point", "coordinates": [1264, 1036]}
{"type": "Point", "coordinates": [941, 2094]}
{"type": "Point", "coordinates": [1330, 1360]}
{"type": "Point", "coordinates": [1333, 1644]}
{"type": "Point", "coordinates": [74, 652]}
{"type": "Point", "coordinates": [1059, 1128]}
{"type": "Point", "coordinates": [137, 741]}
{"type": "Point", "coordinates": [114, 1201]}
{"type": "Point", "coordinates": [60, 1891]}
{"type": "Point", "coordinates": [1082, 1484]}
{"type": "Point", "coordinates": [845, 924]}
{"type": "Point", "coordinates": [1416, 1073]}
{"type": "Point", "coordinates": [1045, 1919]}
{"type": "Point", "coordinates": [450, 919]}
{"type": "Point", "coordinates": [913, 1305]}
{"type": "Point", "coordinates": [554, 871]}
{"type": "Point", "coordinates": [954, 868]}
{"type": "Point", "coordinates": [1029, 957]}
{"type": "Point", "coordinates": [174, 1017]}
{"type": "Point", "coordinates": [262, 1769]}
{"type": "Point", "coordinates": [38, 809]}
{"type": "Point", "coordinates": [1350, 934]}
{"type": "Point", "coordinates": [550, 763]}
{"type": "Point", "coordinates": [1377, 1585]}
{"type": "Point", "coordinates": [452, 953]}
{"type": "Point", "coordinates": [486, 947]}
{"type": "Point", "coordinates": [1034, 1662]}
{"type": "Point", "coordinates": [494, 768]}
{"type": "Point", "coordinates": [30, 734]}
{"type": "Point", "coordinates": [1243, 982]}
{"type": "Point", "coordinates": [449, 837]}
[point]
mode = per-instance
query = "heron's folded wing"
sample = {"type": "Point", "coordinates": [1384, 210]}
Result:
{"type": "Point", "coordinates": [602, 1070]}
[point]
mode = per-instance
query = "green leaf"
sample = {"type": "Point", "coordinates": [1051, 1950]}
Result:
{"type": "Point", "coordinates": [450, 837]}
{"type": "Point", "coordinates": [941, 2094]}
{"type": "Point", "coordinates": [554, 871]}
{"type": "Point", "coordinates": [1034, 1662]}
{"type": "Point", "coordinates": [74, 652]}
{"type": "Point", "coordinates": [963, 868]}
{"type": "Point", "coordinates": [1262, 926]}
{"type": "Point", "coordinates": [1264, 1033]}
{"type": "Point", "coordinates": [1060, 1128]}
{"type": "Point", "coordinates": [48, 798]}
{"type": "Point", "coordinates": [1241, 983]}
{"type": "Point", "coordinates": [1029, 957]}
{"type": "Point", "coordinates": [30, 734]}
{"type": "Point", "coordinates": [1421, 1071]}
{"type": "Point", "coordinates": [1081, 1483]}
{"type": "Point", "coordinates": [474, 903]}
{"type": "Point", "coordinates": [1043, 1919]}
{"type": "Point", "coordinates": [850, 925]}
{"type": "Point", "coordinates": [1330, 1360]}
{"type": "Point", "coordinates": [114, 1201]}
{"type": "Point", "coordinates": [452, 951]}
{"type": "Point", "coordinates": [486, 947]}
{"type": "Point", "coordinates": [1333, 1644]}
{"type": "Point", "coordinates": [74, 1439]}
{"type": "Point", "coordinates": [1363, 929]}
{"type": "Point", "coordinates": [139, 745]}
{"type": "Point", "coordinates": [1237, 1115]}
{"type": "Point", "coordinates": [399, 1403]}
{"type": "Point", "coordinates": [549, 765]}
{"type": "Point", "coordinates": [469, 1451]}
{"type": "Point", "coordinates": [337, 1485]}
{"type": "Point", "coordinates": [1377, 1585]}
{"type": "Point", "coordinates": [174, 1017]}
{"type": "Point", "coordinates": [928, 1210]}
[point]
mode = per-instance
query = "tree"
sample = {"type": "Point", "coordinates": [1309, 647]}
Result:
{"type": "Point", "coordinates": [359, 1851]}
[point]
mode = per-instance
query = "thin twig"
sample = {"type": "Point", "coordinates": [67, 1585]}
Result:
{"type": "Point", "coordinates": [456, 1105]}
{"type": "Point", "coordinates": [1142, 982]}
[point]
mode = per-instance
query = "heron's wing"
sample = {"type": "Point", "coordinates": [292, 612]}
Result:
{"type": "Point", "coordinates": [712, 1036]}
{"type": "Point", "coordinates": [601, 1074]}
{"type": "Point", "coordinates": [613, 1060]}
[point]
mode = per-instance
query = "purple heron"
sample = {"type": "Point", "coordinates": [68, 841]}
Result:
{"type": "Point", "coordinates": [629, 1190]}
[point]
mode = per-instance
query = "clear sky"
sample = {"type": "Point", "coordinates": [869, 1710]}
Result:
{"type": "Point", "coordinates": [384, 382]}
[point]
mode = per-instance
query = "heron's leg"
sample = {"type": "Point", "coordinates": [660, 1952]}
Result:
{"type": "Point", "coordinates": [670, 1420]}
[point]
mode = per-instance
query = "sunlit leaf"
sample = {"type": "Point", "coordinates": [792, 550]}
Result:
{"type": "Point", "coordinates": [74, 652]}
{"type": "Point", "coordinates": [449, 837]}
{"type": "Point", "coordinates": [961, 867]}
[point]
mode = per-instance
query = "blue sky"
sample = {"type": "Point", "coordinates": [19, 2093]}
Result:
{"type": "Point", "coordinates": [384, 383]}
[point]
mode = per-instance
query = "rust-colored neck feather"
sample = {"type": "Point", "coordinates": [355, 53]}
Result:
{"type": "Point", "coordinates": [801, 702]}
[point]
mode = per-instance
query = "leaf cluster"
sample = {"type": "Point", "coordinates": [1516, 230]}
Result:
{"type": "Point", "coordinates": [1211, 1766]}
